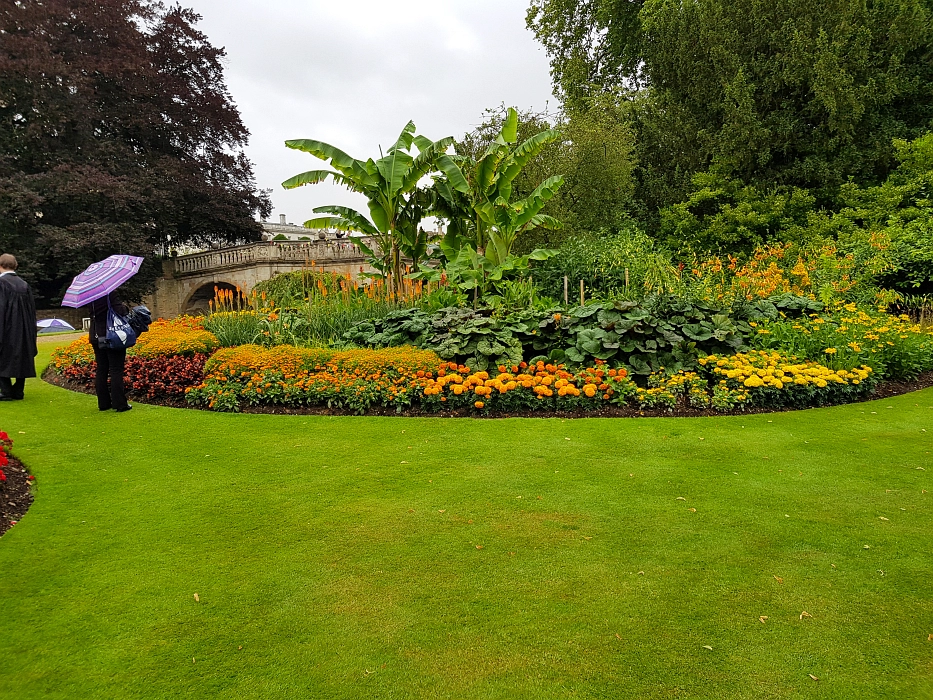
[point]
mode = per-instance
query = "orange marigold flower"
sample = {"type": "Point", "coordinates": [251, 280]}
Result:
{"type": "Point", "coordinates": [479, 404]}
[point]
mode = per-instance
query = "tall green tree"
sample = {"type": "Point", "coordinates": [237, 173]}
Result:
{"type": "Point", "coordinates": [389, 184]}
{"type": "Point", "coordinates": [789, 92]}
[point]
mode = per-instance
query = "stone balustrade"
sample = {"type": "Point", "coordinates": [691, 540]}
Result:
{"type": "Point", "coordinates": [317, 252]}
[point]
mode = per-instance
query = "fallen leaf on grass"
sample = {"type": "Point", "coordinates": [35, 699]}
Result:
{"type": "Point", "coordinates": [680, 498]}
{"type": "Point", "coordinates": [805, 614]}
{"type": "Point", "coordinates": [196, 598]}
{"type": "Point", "coordinates": [479, 546]}
{"type": "Point", "coordinates": [810, 674]}
{"type": "Point", "coordinates": [238, 648]}
{"type": "Point", "coordinates": [618, 636]}
{"type": "Point", "coordinates": [762, 619]}
{"type": "Point", "coordinates": [881, 517]}
{"type": "Point", "coordinates": [442, 511]}
{"type": "Point", "coordinates": [779, 579]}
{"type": "Point", "coordinates": [930, 637]}
{"type": "Point", "coordinates": [585, 537]}
{"type": "Point", "coordinates": [692, 510]}
{"type": "Point", "coordinates": [867, 546]}
{"type": "Point", "coordinates": [707, 646]}
{"type": "Point", "coordinates": [403, 462]}
{"type": "Point", "coordinates": [641, 573]}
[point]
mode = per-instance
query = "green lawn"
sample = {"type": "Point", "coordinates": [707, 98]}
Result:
{"type": "Point", "coordinates": [363, 557]}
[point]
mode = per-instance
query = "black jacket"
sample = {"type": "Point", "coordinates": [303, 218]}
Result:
{"type": "Point", "coordinates": [98, 311]}
{"type": "Point", "coordinates": [17, 328]}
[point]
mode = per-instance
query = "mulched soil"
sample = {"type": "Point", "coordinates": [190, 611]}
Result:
{"type": "Point", "coordinates": [15, 494]}
{"type": "Point", "coordinates": [882, 391]}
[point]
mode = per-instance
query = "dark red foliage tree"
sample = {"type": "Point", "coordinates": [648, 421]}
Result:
{"type": "Point", "coordinates": [117, 135]}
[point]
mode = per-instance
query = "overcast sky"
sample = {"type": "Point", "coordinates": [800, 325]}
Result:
{"type": "Point", "coordinates": [353, 72]}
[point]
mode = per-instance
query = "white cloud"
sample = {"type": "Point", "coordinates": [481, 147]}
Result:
{"type": "Point", "coordinates": [353, 72]}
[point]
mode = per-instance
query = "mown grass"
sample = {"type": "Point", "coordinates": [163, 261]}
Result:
{"type": "Point", "coordinates": [398, 558]}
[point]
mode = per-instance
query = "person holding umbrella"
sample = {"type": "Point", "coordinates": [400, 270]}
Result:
{"type": "Point", "coordinates": [94, 287]}
{"type": "Point", "coordinates": [17, 331]}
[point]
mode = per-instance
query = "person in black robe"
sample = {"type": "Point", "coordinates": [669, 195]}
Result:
{"type": "Point", "coordinates": [18, 331]}
{"type": "Point", "coordinates": [110, 363]}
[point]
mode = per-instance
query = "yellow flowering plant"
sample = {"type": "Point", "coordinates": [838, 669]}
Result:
{"type": "Point", "coordinates": [846, 336]}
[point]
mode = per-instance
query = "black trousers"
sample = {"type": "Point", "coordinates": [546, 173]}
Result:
{"type": "Point", "coordinates": [110, 366]}
{"type": "Point", "coordinates": [11, 390]}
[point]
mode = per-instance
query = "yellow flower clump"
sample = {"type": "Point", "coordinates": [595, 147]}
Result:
{"type": "Point", "coordinates": [760, 368]}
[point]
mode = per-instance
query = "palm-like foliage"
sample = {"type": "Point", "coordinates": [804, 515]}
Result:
{"type": "Point", "coordinates": [388, 184]}
{"type": "Point", "coordinates": [475, 195]}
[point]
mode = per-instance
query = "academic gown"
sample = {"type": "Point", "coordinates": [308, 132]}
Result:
{"type": "Point", "coordinates": [17, 328]}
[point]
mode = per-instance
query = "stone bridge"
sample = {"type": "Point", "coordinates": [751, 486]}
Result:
{"type": "Point", "coordinates": [188, 281]}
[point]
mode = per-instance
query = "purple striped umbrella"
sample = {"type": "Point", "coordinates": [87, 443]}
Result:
{"type": "Point", "coordinates": [100, 279]}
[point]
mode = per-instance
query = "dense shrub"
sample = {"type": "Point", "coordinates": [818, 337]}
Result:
{"type": "Point", "coordinates": [661, 331]}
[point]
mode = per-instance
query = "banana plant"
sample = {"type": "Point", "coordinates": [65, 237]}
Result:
{"type": "Point", "coordinates": [388, 185]}
{"type": "Point", "coordinates": [475, 195]}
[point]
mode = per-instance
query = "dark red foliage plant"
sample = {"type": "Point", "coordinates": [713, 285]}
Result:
{"type": "Point", "coordinates": [152, 378]}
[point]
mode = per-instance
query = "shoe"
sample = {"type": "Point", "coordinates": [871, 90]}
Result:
{"type": "Point", "coordinates": [123, 410]}
{"type": "Point", "coordinates": [4, 397]}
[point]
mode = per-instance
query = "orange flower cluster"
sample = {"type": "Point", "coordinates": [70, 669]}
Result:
{"type": "Point", "coordinates": [184, 335]}
{"type": "Point", "coordinates": [291, 376]}
{"type": "Point", "coordinates": [519, 386]}
{"type": "Point", "coordinates": [782, 268]}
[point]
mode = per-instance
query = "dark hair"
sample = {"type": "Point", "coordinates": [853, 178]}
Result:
{"type": "Point", "coordinates": [8, 262]}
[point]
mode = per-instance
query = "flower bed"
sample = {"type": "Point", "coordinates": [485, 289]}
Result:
{"type": "Point", "coordinates": [15, 486]}
{"type": "Point", "coordinates": [405, 377]}
{"type": "Point", "coordinates": [178, 361]}
{"type": "Point", "coordinates": [165, 361]}
{"type": "Point", "coordinates": [847, 337]}
{"type": "Point", "coordinates": [285, 375]}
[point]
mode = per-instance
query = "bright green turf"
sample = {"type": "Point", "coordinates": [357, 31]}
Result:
{"type": "Point", "coordinates": [342, 555]}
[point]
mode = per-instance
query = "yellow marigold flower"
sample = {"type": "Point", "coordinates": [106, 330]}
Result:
{"type": "Point", "coordinates": [830, 351]}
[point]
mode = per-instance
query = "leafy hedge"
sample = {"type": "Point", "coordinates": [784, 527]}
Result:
{"type": "Point", "coordinates": [659, 332]}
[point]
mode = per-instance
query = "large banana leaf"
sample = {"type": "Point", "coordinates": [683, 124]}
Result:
{"type": "Point", "coordinates": [313, 177]}
{"type": "Point", "coordinates": [340, 161]}
{"type": "Point", "coordinates": [448, 165]}
{"type": "Point", "coordinates": [332, 222]}
{"type": "Point", "coordinates": [424, 162]}
{"type": "Point", "coordinates": [359, 222]}
{"type": "Point", "coordinates": [534, 203]}
{"type": "Point", "coordinates": [379, 216]}
{"type": "Point", "coordinates": [405, 139]}
{"type": "Point", "coordinates": [520, 157]}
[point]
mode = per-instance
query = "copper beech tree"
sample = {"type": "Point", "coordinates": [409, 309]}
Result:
{"type": "Point", "coordinates": [117, 134]}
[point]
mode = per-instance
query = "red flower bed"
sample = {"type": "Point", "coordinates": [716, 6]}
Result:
{"type": "Point", "coordinates": [158, 377]}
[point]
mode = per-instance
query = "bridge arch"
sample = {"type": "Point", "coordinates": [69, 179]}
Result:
{"type": "Point", "coordinates": [198, 301]}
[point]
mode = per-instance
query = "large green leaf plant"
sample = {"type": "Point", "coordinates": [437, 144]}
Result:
{"type": "Point", "coordinates": [475, 196]}
{"type": "Point", "coordinates": [390, 185]}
